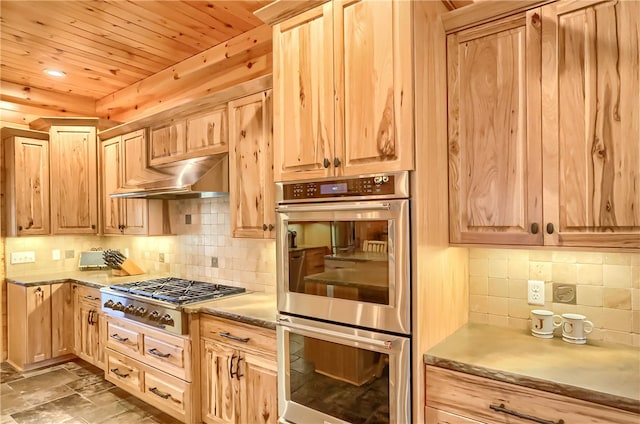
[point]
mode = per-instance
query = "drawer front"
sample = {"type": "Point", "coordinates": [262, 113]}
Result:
{"type": "Point", "coordinates": [240, 335]}
{"type": "Point", "coordinates": [88, 295]}
{"type": "Point", "coordinates": [123, 372]}
{"type": "Point", "coordinates": [171, 393]}
{"type": "Point", "coordinates": [473, 397]}
{"type": "Point", "coordinates": [123, 340]}
{"type": "Point", "coordinates": [162, 353]}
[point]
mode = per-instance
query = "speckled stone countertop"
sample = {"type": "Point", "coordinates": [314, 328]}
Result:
{"type": "Point", "coordinates": [604, 373]}
{"type": "Point", "coordinates": [252, 308]}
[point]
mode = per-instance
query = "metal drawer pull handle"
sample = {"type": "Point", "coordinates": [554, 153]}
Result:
{"type": "Point", "coordinates": [118, 338]}
{"type": "Point", "coordinates": [117, 372]}
{"type": "Point", "coordinates": [156, 352]}
{"type": "Point", "coordinates": [236, 338]}
{"type": "Point", "coordinates": [157, 392]}
{"type": "Point", "coordinates": [501, 408]}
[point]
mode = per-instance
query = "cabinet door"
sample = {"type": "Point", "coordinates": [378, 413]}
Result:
{"type": "Point", "coordinates": [207, 134]}
{"type": "Point", "coordinates": [495, 169]}
{"type": "Point", "coordinates": [258, 389]}
{"type": "Point", "coordinates": [374, 86]}
{"type": "Point", "coordinates": [28, 190]}
{"type": "Point", "coordinates": [134, 158]}
{"type": "Point", "coordinates": [111, 181]}
{"type": "Point", "coordinates": [219, 393]}
{"type": "Point", "coordinates": [61, 319]}
{"type": "Point", "coordinates": [303, 95]}
{"type": "Point", "coordinates": [87, 323]}
{"type": "Point", "coordinates": [74, 180]}
{"type": "Point", "coordinates": [591, 123]}
{"type": "Point", "coordinates": [251, 170]}
{"type": "Point", "coordinates": [166, 142]}
{"type": "Point", "coordinates": [38, 331]}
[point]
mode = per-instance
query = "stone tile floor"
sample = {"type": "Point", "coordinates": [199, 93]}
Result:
{"type": "Point", "coordinates": [72, 393]}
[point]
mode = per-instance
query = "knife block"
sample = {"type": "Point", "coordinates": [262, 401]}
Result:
{"type": "Point", "coordinates": [118, 272]}
{"type": "Point", "coordinates": [128, 267]}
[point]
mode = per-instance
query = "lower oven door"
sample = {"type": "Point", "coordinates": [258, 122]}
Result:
{"type": "Point", "coordinates": [335, 374]}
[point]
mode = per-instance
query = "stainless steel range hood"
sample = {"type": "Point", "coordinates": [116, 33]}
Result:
{"type": "Point", "coordinates": [192, 178]}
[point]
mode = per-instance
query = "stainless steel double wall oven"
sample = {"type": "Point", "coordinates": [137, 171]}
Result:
{"type": "Point", "coordinates": [344, 300]}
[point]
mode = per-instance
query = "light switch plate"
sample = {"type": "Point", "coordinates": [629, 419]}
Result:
{"type": "Point", "coordinates": [55, 255]}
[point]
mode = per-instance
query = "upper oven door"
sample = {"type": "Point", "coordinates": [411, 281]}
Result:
{"type": "Point", "coordinates": [346, 262]}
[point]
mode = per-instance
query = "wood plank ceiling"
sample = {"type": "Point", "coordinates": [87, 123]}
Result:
{"type": "Point", "coordinates": [104, 46]}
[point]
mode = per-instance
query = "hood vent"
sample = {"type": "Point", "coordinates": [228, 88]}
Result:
{"type": "Point", "coordinates": [192, 178]}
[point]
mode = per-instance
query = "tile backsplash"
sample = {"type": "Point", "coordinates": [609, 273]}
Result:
{"type": "Point", "coordinates": [202, 250]}
{"type": "Point", "coordinates": [607, 288]}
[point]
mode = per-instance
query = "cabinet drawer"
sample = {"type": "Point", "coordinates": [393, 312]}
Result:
{"type": "Point", "coordinates": [170, 392]}
{"type": "Point", "coordinates": [165, 353]}
{"type": "Point", "coordinates": [88, 295]}
{"type": "Point", "coordinates": [472, 397]}
{"type": "Point", "coordinates": [123, 371]}
{"type": "Point", "coordinates": [240, 335]}
{"type": "Point", "coordinates": [122, 339]}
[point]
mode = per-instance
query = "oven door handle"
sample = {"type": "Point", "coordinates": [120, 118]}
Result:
{"type": "Point", "coordinates": [361, 206]}
{"type": "Point", "coordinates": [387, 344]}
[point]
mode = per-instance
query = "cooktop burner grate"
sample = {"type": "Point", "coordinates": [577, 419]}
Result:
{"type": "Point", "coordinates": [177, 290]}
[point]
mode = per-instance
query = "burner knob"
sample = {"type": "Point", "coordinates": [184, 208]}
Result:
{"type": "Point", "coordinates": [140, 311]}
{"type": "Point", "coordinates": [154, 316]}
{"type": "Point", "coordinates": [130, 309]}
{"type": "Point", "coordinates": [167, 320]}
{"type": "Point", "coordinates": [118, 307]}
{"type": "Point", "coordinates": [108, 304]}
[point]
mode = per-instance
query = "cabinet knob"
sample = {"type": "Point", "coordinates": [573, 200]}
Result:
{"type": "Point", "coordinates": [270, 227]}
{"type": "Point", "coordinates": [93, 226]}
{"type": "Point", "coordinates": [20, 226]}
{"type": "Point", "coordinates": [264, 227]}
{"type": "Point", "coordinates": [326, 163]}
{"type": "Point", "coordinates": [534, 228]}
{"type": "Point", "coordinates": [336, 162]}
{"type": "Point", "coordinates": [550, 228]}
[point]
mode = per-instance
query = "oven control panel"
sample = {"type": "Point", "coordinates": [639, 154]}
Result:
{"type": "Point", "coordinates": [378, 185]}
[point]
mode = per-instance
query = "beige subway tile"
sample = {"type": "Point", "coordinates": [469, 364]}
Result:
{"type": "Point", "coordinates": [614, 258]}
{"type": "Point", "coordinates": [518, 254]}
{"type": "Point", "coordinates": [498, 253]}
{"type": "Point", "coordinates": [519, 323]}
{"type": "Point", "coordinates": [635, 322]}
{"type": "Point", "coordinates": [518, 269]}
{"type": "Point", "coordinates": [636, 340]}
{"type": "Point", "coordinates": [589, 274]}
{"type": "Point", "coordinates": [564, 273]}
{"type": "Point", "coordinates": [498, 268]}
{"type": "Point", "coordinates": [596, 335]}
{"type": "Point", "coordinates": [519, 308]}
{"type": "Point", "coordinates": [617, 319]}
{"type": "Point", "coordinates": [616, 276]}
{"type": "Point", "coordinates": [540, 255]}
{"type": "Point", "coordinates": [595, 314]}
{"type": "Point", "coordinates": [635, 299]}
{"type": "Point", "coordinates": [589, 295]}
{"type": "Point", "coordinates": [540, 271]}
{"type": "Point", "coordinates": [498, 306]}
{"type": "Point", "coordinates": [589, 257]}
{"type": "Point", "coordinates": [562, 257]}
{"type": "Point", "coordinates": [563, 308]}
{"type": "Point", "coordinates": [518, 289]}
{"type": "Point", "coordinates": [635, 276]}
{"type": "Point", "coordinates": [479, 285]}
{"type": "Point", "coordinates": [478, 318]}
{"type": "Point", "coordinates": [478, 253]}
{"type": "Point", "coordinates": [635, 258]}
{"type": "Point", "coordinates": [479, 304]}
{"type": "Point", "coordinates": [621, 337]}
{"type": "Point", "coordinates": [498, 320]}
{"type": "Point", "coordinates": [617, 298]}
{"type": "Point", "coordinates": [498, 287]}
{"type": "Point", "coordinates": [479, 267]}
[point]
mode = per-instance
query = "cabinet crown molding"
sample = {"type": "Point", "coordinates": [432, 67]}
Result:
{"type": "Point", "coordinates": [485, 11]}
{"type": "Point", "coordinates": [281, 10]}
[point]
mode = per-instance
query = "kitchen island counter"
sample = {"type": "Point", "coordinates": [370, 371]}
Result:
{"type": "Point", "coordinates": [603, 373]}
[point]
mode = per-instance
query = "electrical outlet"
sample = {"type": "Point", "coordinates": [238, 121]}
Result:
{"type": "Point", "coordinates": [535, 292]}
{"type": "Point", "coordinates": [23, 257]}
{"type": "Point", "coordinates": [161, 257]}
{"type": "Point", "coordinates": [55, 255]}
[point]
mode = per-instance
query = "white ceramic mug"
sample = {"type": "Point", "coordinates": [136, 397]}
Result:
{"type": "Point", "coordinates": [543, 322]}
{"type": "Point", "coordinates": [575, 328]}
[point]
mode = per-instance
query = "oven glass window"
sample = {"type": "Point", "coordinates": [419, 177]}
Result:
{"type": "Point", "coordinates": [338, 380]}
{"type": "Point", "coordinates": [340, 259]}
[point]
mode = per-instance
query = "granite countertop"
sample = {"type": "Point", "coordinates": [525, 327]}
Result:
{"type": "Point", "coordinates": [371, 279]}
{"type": "Point", "coordinates": [359, 257]}
{"type": "Point", "coordinates": [604, 373]}
{"type": "Point", "coordinates": [254, 308]}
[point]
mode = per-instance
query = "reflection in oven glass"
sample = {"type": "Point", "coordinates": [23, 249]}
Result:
{"type": "Point", "coordinates": [341, 259]}
{"type": "Point", "coordinates": [342, 381]}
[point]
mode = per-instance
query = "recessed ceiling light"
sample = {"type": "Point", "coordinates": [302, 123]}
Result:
{"type": "Point", "coordinates": [54, 72]}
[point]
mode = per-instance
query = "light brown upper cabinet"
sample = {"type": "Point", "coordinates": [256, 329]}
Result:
{"type": "Point", "coordinates": [591, 123]}
{"type": "Point", "coordinates": [343, 102]}
{"type": "Point", "coordinates": [26, 183]}
{"type": "Point", "coordinates": [74, 180]}
{"type": "Point", "coordinates": [118, 164]}
{"type": "Point", "coordinates": [188, 138]}
{"type": "Point", "coordinates": [544, 127]}
{"type": "Point", "coordinates": [251, 194]}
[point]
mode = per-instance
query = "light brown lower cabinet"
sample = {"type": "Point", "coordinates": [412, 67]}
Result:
{"type": "Point", "coordinates": [89, 325]}
{"type": "Point", "coordinates": [455, 397]}
{"type": "Point", "coordinates": [40, 325]}
{"type": "Point", "coordinates": [239, 373]}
